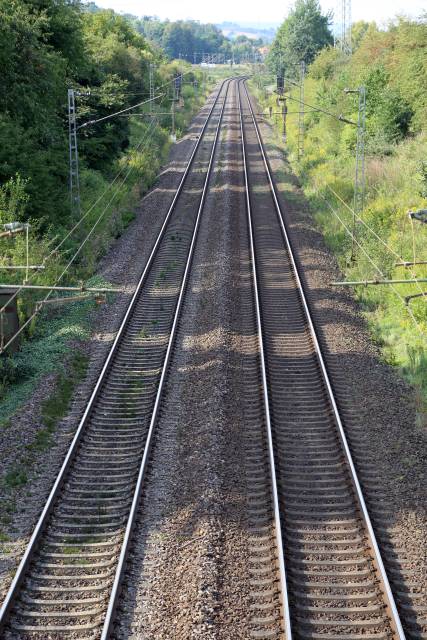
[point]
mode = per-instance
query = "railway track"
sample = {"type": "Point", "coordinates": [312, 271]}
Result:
{"type": "Point", "coordinates": [315, 567]}
{"type": "Point", "coordinates": [68, 582]}
{"type": "Point", "coordinates": [332, 577]}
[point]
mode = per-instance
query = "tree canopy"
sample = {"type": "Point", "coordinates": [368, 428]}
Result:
{"type": "Point", "coordinates": [189, 39]}
{"type": "Point", "coordinates": [46, 47]}
{"type": "Point", "coordinates": [301, 36]}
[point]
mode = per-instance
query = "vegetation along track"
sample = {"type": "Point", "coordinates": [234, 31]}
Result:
{"type": "Point", "coordinates": [332, 576]}
{"type": "Point", "coordinates": [68, 581]}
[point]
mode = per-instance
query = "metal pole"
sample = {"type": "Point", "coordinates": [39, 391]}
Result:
{"type": "Point", "coordinates": [173, 119]}
{"type": "Point", "coordinates": [57, 288]}
{"type": "Point", "coordinates": [354, 283]}
{"type": "Point", "coordinates": [345, 27]}
{"type": "Point", "coordinates": [27, 252]}
{"type": "Point", "coordinates": [301, 112]}
{"type": "Point", "coordinates": [348, 46]}
{"type": "Point", "coordinates": [359, 176]}
{"type": "Point", "coordinates": [151, 81]}
{"type": "Point", "coordinates": [284, 110]}
{"type": "Point", "coordinates": [74, 156]}
{"type": "Point", "coordinates": [17, 267]}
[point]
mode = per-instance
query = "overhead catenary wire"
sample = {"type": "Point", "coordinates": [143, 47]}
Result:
{"type": "Point", "coordinates": [343, 119]}
{"type": "Point", "coordinates": [378, 237]}
{"type": "Point", "coordinates": [83, 218]}
{"type": "Point", "coordinates": [117, 113]}
{"type": "Point", "coordinates": [85, 215]}
{"type": "Point", "coordinates": [76, 254]}
{"type": "Point", "coordinates": [56, 249]}
{"type": "Point", "coordinates": [145, 93]}
{"type": "Point", "coordinates": [376, 267]}
{"type": "Point", "coordinates": [403, 300]}
{"type": "Point", "coordinates": [339, 117]}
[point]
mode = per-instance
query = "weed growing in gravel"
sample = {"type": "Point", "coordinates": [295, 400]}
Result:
{"type": "Point", "coordinates": [15, 477]}
{"type": "Point", "coordinates": [9, 507]}
{"type": "Point", "coordinates": [55, 408]}
{"type": "Point", "coordinates": [416, 372]}
{"type": "Point", "coordinates": [127, 218]}
{"type": "Point", "coordinates": [3, 539]}
{"type": "Point", "coordinates": [171, 266]}
{"type": "Point", "coordinates": [71, 550]}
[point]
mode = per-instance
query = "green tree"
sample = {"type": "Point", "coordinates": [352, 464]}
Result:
{"type": "Point", "coordinates": [32, 94]}
{"type": "Point", "coordinates": [389, 115]}
{"type": "Point", "coordinates": [302, 35]}
{"type": "Point", "coordinates": [184, 38]}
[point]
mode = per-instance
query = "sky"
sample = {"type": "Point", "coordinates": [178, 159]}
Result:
{"type": "Point", "coordinates": [267, 11]}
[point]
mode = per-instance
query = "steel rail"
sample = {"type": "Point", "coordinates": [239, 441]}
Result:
{"type": "Point", "coordinates": [131, 521]}
{"type": "Point", "coordinates": [49, 505]}
{"type": "Point", "coordinates": [376, 555]}
{"type": "Point", "coordinates": [275, 493]}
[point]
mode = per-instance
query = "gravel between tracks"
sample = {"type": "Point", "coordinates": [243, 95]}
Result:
{"type": "Point", "coordinates": [188, 574]}
{"type": "Point", "coordinates": [122, 266]}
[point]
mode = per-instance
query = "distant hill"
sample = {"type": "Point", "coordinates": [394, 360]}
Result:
{"type": "Point", "coordinates": [255, 30]}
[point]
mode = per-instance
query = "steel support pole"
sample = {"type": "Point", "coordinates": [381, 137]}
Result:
{"type": "Point", "coordinates": [73, 156]}
{"type": "Point", "coordinates": [359, 175]}
{"type": "Point", "coordinates": [151, 81]}
{"type": "Point", "coordinates": [301, 112]}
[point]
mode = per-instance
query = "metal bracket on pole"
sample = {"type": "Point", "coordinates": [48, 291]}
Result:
{"type": "Point", "coordinates": [415, 295]}
{"type": "Point", "coordinates": [365, 283]}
